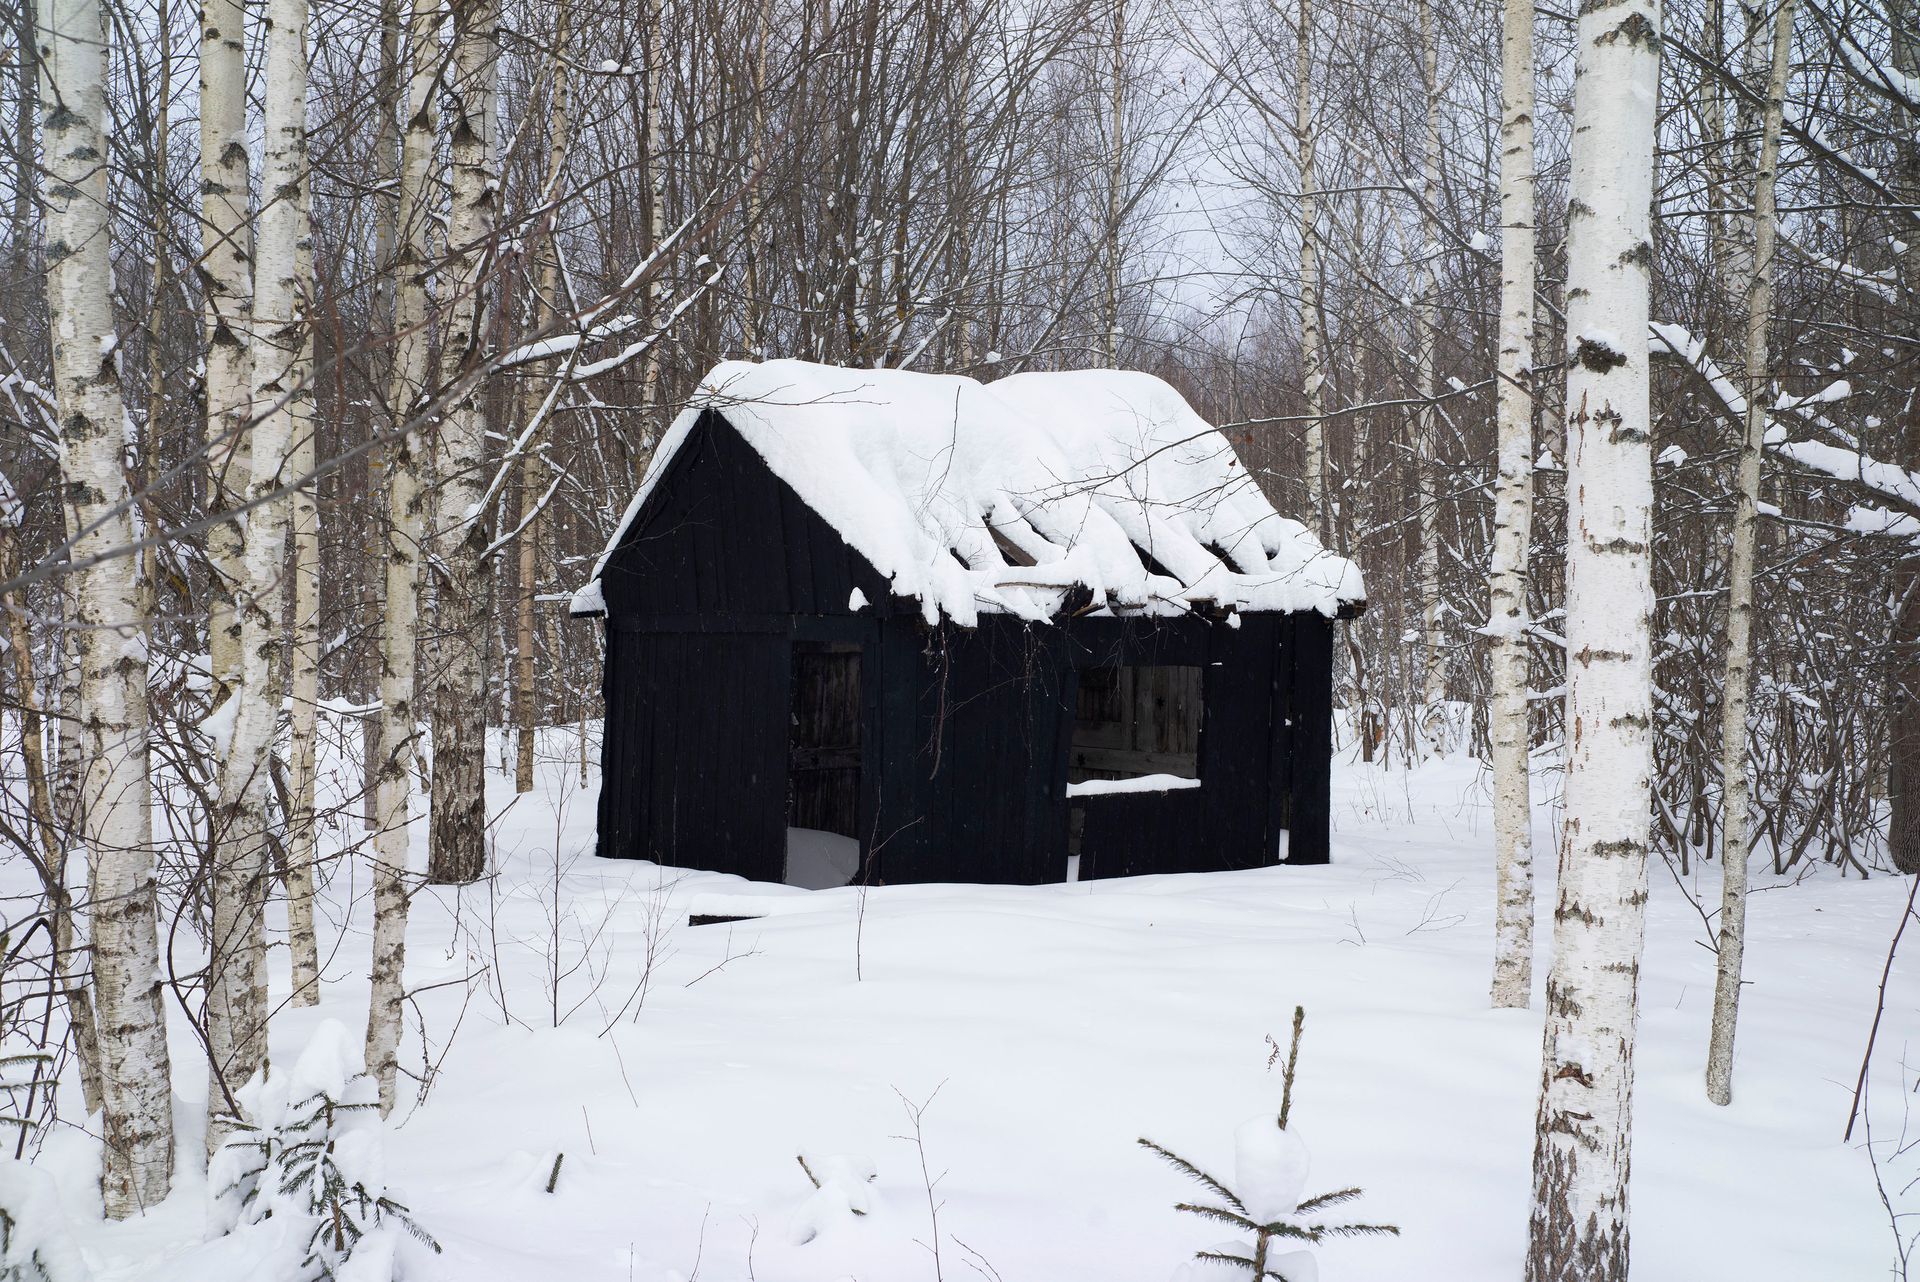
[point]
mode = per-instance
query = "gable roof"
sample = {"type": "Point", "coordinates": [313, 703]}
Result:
{"type": "Point", "coordinates": [1004, 497]}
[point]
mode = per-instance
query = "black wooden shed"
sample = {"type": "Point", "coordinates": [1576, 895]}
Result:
{"type": "Point", "coordinates": [913, 628]}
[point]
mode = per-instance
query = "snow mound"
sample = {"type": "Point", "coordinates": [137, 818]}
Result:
{"type": "Point", "coordinates": [1269, 1169]}
{"type": "Point", "coordinates": [38, 1240]}
{"type": "Point", "coordinates": [843, 1190]}
{"type": "Point", "coordinates": [1004, 497]}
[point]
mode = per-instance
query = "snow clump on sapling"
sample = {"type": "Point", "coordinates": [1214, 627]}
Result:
{"type": "Point", "coordinates": [306, 1152]}
{"type": "Point", "coordinates": [1266, 1199]}
{"type": "Point", "coordinates": [36, 1239]}
{"type": "Point", "coordinates": [841, 1189]}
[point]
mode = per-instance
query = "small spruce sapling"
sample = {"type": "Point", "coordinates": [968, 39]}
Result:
{"type": "Point", "coordinates": [307, 1148]}
{"type": "Point", "coordinates": [1270, 1175]}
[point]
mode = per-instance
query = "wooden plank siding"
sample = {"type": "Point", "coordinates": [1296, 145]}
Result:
{"type": "Point", "coordinates": [964, 735]}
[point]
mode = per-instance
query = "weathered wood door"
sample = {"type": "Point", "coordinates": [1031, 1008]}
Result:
{"type": "Point", "coordinates": [823, 789]}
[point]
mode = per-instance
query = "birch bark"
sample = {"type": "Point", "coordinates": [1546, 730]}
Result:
{"type": "Point", "coordinates": [1432, 639]}
{"type": "Point", "coordinates": [226, 285]}
{"type": "Point", "coordinates": [401, 609]}
{"type": "Point", "coordinates": [458, 820]}
{"type": "Point", "coordinates": [1312, 351]}
{"type": "Point", "coordinates": [1116, 180]}
{"type": "Point", "coordinates": [226, 277]}
{"type": "Point", "coordinates": [236, 988]}
{"type": "Point", "coordinates": [303, 677]}
{"type": "Point", "coordinates": [1513, 521]}
{"type": "Point", "coordinates": [1737, 679]}
{"type": "Point", "coordinates": [533, 469]}
{"type": "Point", "coordinates": [1579, 1219]}
{"type": "Point", "coordinates": [135, 1075]}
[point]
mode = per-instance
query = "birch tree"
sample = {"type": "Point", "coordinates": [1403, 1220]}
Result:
{"type": "Point", "coordinates": [226, 280]}
{"type": "Point", "coordinates": [1427, 429]}
{"type": "Point", "coordinates": [237, 989]}
{"type": "Point", "coordinates": [1116, 183]}
{"type": "Point", "coordinates": [458, 832]}
{"type": "Point", "coordinates": [226, 289]}
{"type": "Point", "coordinates": [533, 468]}
{"type": "Point", "coordinates": [401, 609]}
{"type": "Point", "coordinates": [1507, 728]}
{"type": "Point", "coordinates": [1312, 342]}
{"type": "Point", "coordinates": [1737, 677]}
{"type": "Point", "coordinates": [303, 535]}
{"type": "Point", "coordinates": [135, 1075]}
{"type": "Point", "coordinates": [1579, 1219]}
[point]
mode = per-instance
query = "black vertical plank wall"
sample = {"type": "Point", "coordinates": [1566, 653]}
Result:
{"type": "Point", "coordinates": [1308, 641]}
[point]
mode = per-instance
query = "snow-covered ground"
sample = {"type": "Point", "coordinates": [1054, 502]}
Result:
{"type": "Point", "coordinates": [1037, 1032]}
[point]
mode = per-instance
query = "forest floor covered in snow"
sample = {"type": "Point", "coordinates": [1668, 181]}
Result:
{"type": "Point", "coordinates": [568, 1008]}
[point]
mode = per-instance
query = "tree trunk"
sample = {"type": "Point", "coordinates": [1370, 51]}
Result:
{"type": "Point", "coordinates": [226, 269]}
{"type": "Point", "coordinates": [26, 107]}
{"type": "Point", "coordinates": [226, 276]}
{"type": "Point", "coordinates": [1426, 447]}
{"type": "Point", "coordinates": [1116, 181]}
{"type": "Point", "coordinates": [400, 612]}
{"type": "Point", "coordinates": [303, 678]}
{"type": "Point", "coordinates": [51, 860]}
{"type": "Point", "coordinates": [533, 468]}
{"type": "Point", "coordinates": [1312, 350]}
{"type": "Point", "coordinates": [1579, 1219]}
{"type": "Point", "coordinates": [236, 989]}
{"type": "Point", "coordinates": [1507, 581]}
{"type": "Point", "coordinates": [1903, 757]}
{"type": "Point", "coordinates": [458, 823]}
{"type": "Point", "coordinates": [137, 1164]}
{"type": "Point", "coordinates": [1737, 681]}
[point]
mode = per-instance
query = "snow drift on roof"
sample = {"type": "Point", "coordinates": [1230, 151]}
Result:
{"type": "Point", "coordinates": [1003, 497]}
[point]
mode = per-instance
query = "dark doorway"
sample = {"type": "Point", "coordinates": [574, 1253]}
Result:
{"type": "Point", "coordinates": [1130, 722]}
{"type": "Point", "coordinates": [823, 764]}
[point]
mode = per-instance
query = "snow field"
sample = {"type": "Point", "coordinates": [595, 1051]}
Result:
{"type": "Point", "coordinates": [1040, 1031]}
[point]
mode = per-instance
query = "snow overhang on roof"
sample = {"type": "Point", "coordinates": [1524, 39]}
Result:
{"type": "Point", "coordinates": [1005, 497]}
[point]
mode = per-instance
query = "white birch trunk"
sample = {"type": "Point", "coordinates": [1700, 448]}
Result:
{"type": "Point", "coordinates": [236, 987]}
{"type": "Point", "coordinates": [1116, 181]}
{"type": "Point", "coordinates": [400, 614]}
{"type": "Point", "coordinates": [226, 273]}
{"type": "Point", "coordinates": [1579, 1219]}
{"type": "Point", "coordinates": [137, 1162]}
{"type": "Point", "coordinates": [458, 826]}
{"type": "Point", "coordinates": [1426, 448]}
{"type": "Point", "coordinates": [1312, 351]}
{"type": "Point", "coordinates": [1737, 681]}
{"type": "Point", "coordinates": [303, 678]}
{"type": "Point", "coordinates": [1507, 580]}
{"type": "Point", "coordinates": [533, 468]}
{"type": "Point", "coordinates": [654, 159]}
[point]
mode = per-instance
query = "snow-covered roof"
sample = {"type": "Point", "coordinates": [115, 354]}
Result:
{"type": "Point", "coordinates": [1004, 497]}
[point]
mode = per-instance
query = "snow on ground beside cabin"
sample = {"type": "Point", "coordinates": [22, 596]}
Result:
{"type": "Point", "coordinates": [1043, 1029]}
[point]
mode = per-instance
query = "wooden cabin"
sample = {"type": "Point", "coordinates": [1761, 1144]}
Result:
{"type": "Point", "coordinates": [884, 627]}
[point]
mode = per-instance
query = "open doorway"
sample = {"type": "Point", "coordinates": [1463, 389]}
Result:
{"type": "Point", "coordinates": [823, 765]}
{"type": "Point", "coordinates": [1136, 728]}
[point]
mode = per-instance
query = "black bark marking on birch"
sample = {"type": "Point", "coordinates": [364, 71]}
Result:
{"type": "Point", "coordinates": [1635, 29]}
{"type": "Point", "coordinates": [1598, 356]}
